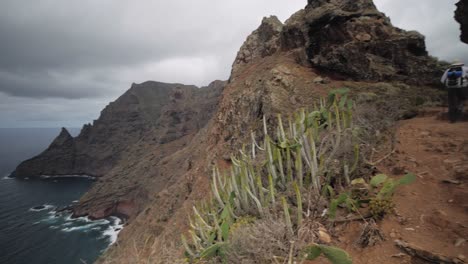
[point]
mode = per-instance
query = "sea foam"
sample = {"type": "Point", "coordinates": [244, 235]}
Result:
{"type": "Point", "coordinates": [112, 232]}
{"type": "Point", "coordinates": [109, 228]}
{"type": "Point", "coordinates": [67, 176]}
{"type": "Point", "coordinates": [7, 177]}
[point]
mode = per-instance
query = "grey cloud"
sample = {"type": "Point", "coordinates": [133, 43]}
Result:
{"type": "Point", "coordinates": [44, 84]}
{"type": "Point", "coordinates": [54, 52]}
{"type": "Point", "coordinates": [116, 38]}
{"type": "Point", "coordinates": [50, 112]}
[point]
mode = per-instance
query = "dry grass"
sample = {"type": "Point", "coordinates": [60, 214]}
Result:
{"type": "Point", "coordinates": [370, 235]}
{"type": "Point", "coordinates": [259, 242]}
{"type": "Point", "coordinates": [145, 253]}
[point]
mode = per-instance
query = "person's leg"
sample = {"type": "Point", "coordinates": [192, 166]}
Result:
{"type": "Point", "coordinates": [453, 104]}
{"type": "Point", "coordinates": [461, 101]}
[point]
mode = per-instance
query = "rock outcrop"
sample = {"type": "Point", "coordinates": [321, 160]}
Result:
{"type": "Point", "coordinates": [158, 111]}
{"type": "Point", "coordinates": [261, 43]}
{"type": "Point", "coordinates": [58, 158]}
{"type": "Point", "coordinates": [154, 160]}
{"type": "Point", "coordinates": [347, 39]}
{"type": "Point", "coordinates": [461, 16]}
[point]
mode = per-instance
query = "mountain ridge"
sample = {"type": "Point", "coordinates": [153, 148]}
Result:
{"type": "Point", "coordinates": [280, 68]}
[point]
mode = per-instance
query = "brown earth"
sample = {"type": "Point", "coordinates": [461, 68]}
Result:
{"type": "Point", "coordinates": [430, 213]}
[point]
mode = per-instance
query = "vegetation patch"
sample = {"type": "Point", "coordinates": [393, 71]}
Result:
{"type": "Point", "coordinates": [268, 208]}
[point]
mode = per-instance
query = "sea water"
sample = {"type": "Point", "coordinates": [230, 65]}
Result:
{"type": "Point", "coordinates": [32, 230]}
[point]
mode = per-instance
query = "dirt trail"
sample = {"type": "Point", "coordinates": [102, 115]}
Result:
{"type": "Point", "coordinates": [431, 214]}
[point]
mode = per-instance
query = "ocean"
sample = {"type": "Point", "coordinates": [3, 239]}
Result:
{"type": "Point", "coordinates": [32, 230]}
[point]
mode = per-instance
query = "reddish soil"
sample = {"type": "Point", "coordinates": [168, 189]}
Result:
{"type": "Point", "coordinates": [430, 213]}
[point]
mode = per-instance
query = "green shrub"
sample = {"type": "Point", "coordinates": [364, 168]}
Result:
{"type": "Point", "coordinates": [307, 154]}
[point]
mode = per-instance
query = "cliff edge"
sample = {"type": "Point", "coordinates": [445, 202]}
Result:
{"type": "Point", "coordinates": [281, 67]}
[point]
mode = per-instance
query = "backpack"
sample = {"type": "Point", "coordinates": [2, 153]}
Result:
{"type": "Point", "coordinates": [455, 77]}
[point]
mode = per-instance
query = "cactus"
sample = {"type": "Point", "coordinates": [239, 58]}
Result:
{"type": "Point", "coordinates": [287, 216]}
{"type": "Point", "coordinates": [333, 254]}
{"type": "Point", "coordinates": [297, 155]}
{"type": "Point", "coordinates": [299, 203]}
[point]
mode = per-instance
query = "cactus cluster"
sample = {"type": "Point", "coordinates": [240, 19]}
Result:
{"type": "Point", "coordinates": [379, 207]}
{"type": "Point", "coordinates": [296, 156]}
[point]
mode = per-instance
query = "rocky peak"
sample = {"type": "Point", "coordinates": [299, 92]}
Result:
{"type": "Point", "coordinates": [346, 5]}
{"type": "Point", "coordinates": [348, 39]}
{"type": "Point", "coordinates": [461, 15]}
{"type": "Point", "coordinates": [144, 113]}
{"type": "Point", "coordinates": [353, 39]}
{"type": "Point", "coordinates": [261, 43]}
{"type": "Point", "coordinates": [63, 138]}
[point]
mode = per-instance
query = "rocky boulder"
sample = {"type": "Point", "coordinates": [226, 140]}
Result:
{"type": "Point", "coordinates": [461, 16]}
{"type": "Point", "coordinates": [261, 43]}
{"type": "Point", "coordinates": [347, 39]}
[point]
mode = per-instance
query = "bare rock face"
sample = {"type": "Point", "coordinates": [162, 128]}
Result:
{"type": "Point", "coordinates": [351, 39]}
{"type": "Point", "coordinates": [461, 15]}
{"type": "Point", "coordinates": [61, 153]}
{"type": "Point", "coordinates": [354, 39]}
{"type": "Point", "coordinates": [166, 112]}
{"type": "Point", "coordinates": [261, 43]}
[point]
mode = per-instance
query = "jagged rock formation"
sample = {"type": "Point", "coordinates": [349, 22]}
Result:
{"type": "Point", "coordinates": [461, 15]}
{"type": "Point", "coordinates": [148, 122]}
{"type": "Point", "coordinates": [60, 153]}
{"type": "Point", "coordinates": [165, 111]}
{"type": "Point", "coordinates": [261, 43]}
{"type": "Point", "coordinates": [351, 39]}
{"type": "Point", "coordinates": [164, 162]}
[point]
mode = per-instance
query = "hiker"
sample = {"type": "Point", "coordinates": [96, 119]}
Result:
{"type": "Point", "coordinates": [455, 80]}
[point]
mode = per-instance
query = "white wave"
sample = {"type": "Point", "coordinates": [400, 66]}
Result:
{"type": "Point", "coordinates": [81, 223]}
{"type": "Point", "coordinates": [83, 227]}
{"type": "Point", "coordinates": [53, 212]}
{"type": "Point", "coordinates": [112, 232]}
{"type": "Point", "coordinates": [7, 177]}
{"type": "Point", "coordinates": [42, 208]}
{"type": "Point", "coordinates": [52, 218]}
{"type": "Point", "coordinates": [109, 227]}
{"type": "Point", "coordinates": [67, 176]}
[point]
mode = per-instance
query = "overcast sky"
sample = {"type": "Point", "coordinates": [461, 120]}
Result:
{"type": "Point", "coordinates": [62, 61]}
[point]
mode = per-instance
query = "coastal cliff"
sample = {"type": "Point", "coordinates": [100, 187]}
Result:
{"type": "Point", "coordinates": [153, 148]}
{"type": "Point", "coordinates": [150, 115]}
{"type": "Point", "coordinates": [280, 68]}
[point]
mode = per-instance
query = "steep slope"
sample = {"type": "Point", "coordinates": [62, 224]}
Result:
{"type": "Point", "coordinates": [162, 167]}
{"type": "Point", "coordinates": [148, 115]}
{"type": "Point", "coordinates": [278, 70]}
{"type": "Point", "coordinates": [142, 171]}
{"type": "Point", "coordinates": [61, 153]}
{"type": "Point", "coordinates": [99, 146]}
